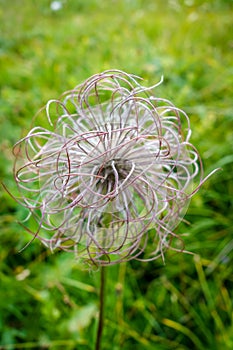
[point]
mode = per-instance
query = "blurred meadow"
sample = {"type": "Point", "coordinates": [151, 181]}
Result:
{"type": "Point", "coordinates": [48, 301]}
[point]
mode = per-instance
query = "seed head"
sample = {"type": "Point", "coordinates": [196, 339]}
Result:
{"type": "Point", "coordinates": [111, 175]}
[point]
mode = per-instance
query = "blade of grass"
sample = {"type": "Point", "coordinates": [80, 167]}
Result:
{"type": "Point", "coordinates": [180, 328]}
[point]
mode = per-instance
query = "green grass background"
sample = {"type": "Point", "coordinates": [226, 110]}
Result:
{"type": "Point", "coordinates": [48, 301]}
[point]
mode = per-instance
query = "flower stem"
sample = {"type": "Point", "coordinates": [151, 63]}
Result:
{"type": "Point", "coordinates": [101, 309]}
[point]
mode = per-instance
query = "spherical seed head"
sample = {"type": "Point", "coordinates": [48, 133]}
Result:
{"type": "Point", "coordinates": [110, 176]}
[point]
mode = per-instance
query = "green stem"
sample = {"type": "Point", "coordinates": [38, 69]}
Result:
{"type": "Point", "coordinates": [101, 309]}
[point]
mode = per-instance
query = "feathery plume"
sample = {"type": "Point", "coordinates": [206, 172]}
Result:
{"type": "Point", "coordinates": [111, 175]}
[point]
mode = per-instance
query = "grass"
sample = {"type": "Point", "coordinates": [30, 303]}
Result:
{"type": "Point", "coordinates": [49, 301]}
